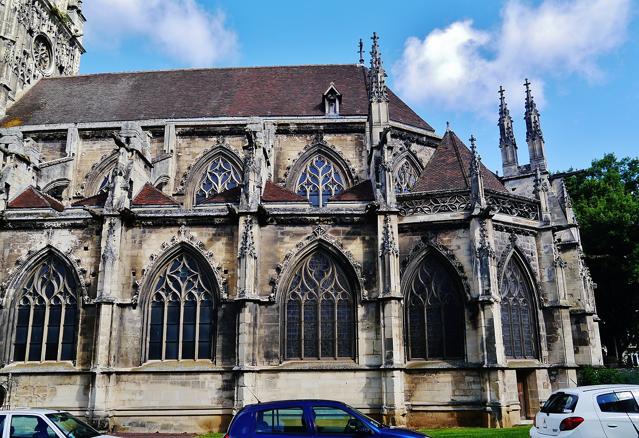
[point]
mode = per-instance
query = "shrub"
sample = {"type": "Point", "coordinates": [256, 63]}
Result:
{"type": "Point", "coordinates": [607, 376]}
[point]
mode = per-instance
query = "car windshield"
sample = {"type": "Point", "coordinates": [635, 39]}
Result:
{"type": "Point", "coordinates": [375, 422]}
{"type": "Point", "coordinates": [72, 427]}
{"type": "Point", "coordinates": [560, 403]}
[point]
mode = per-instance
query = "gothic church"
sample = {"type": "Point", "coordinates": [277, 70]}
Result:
{"type": "Point", "coordinates": [177, 244]}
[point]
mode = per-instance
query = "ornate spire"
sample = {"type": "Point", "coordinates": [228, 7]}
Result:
{"type": "Point", "coordinates": [377, 75]}
{"type": "Point", "coordinates": [476, 179]}
{"type": "Point", "coordinates": [534, 136]}
{"type": "Point", "coordinates": [507, 143]}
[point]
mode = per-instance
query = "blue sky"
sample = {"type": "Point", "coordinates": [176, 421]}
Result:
{"type": "Point", "coordinates": [446, 59]}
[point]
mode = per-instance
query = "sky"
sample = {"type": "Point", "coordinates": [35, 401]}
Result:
{"type": "Point", "coordinates": [446, 59]}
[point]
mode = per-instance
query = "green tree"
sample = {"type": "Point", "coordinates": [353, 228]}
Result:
{"type": "Point", "coordinates": [606, 201]}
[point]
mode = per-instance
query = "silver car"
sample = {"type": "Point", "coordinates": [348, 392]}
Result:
{"type": "Point", "coordinates": [44, 423]}
{"type": "Point", "coordinates": [604, 411]}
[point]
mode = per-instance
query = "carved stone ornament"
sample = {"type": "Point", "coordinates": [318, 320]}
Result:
{"type": "Point", "coordinates": [389, 244]}
{"type": "Point", "coordinates": [319, 234]}
{"type": "Point", "coordinates": [24, 263]}
{"type": "Point", "coordinates": [429, 242]}
{"type": "Point", "coordinates": [184, 236]}
{"type": "Point", "coordinates": [484, 249]}
{"type": "Point", "coordinates": [247, 247]}
{"type": "Point", "coordinates": [512, 248]}
{"type": "Point", "coordinates": [525, 208]}
{"type": "Point", "coordinates": [433, 204]}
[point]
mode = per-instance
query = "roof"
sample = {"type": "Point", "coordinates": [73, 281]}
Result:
{"type": "Point", "coordinates": [92, 201]}
{"type": "Point", "coordinates": [230, 196]}
{"type": "Point", "coordinates": [150, 195]}
{"type": "Point", "coordinates": [359, 192]}
{"type": "Point", "coordinates": [33, 198]}
{"type": "Point", "coordinates": [274, 193]}
{"type": "Point", "coordinates": [448, 169]}
{"type": "Point", "coordinates": [200, 93]}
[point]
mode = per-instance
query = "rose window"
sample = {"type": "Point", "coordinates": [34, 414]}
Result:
{"type": "Point", "coordinates": [42, 54]}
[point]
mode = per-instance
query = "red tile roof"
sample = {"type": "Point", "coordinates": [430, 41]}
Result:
{"type": "Point", "coordinates": [33, 198]}
{"type": "Point", "coordinates": [197, 93]}
{"type": "Point", "coordinates": [448, 169]}
{"type": "Point", "coordinates": [150, 195]}
{"type": "Point", "coordinates": [274, 193]}
{"type": "Point", "coordinates": [231, 196]}
{"type": "Point", "coordinates": [359, 192]}
{"type": "Point", "coordinates": [92, 201]}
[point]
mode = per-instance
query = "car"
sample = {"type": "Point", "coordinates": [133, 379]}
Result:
{"type": "Point", "coordinates": [44, 423]}
{"type": "Point", "coordinates": [602, 411]}
{"type": "Point", "coordinates": [304, 418]}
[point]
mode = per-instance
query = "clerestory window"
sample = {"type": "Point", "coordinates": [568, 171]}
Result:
{"type": "Point", "coordinates": [220, 175]}
{"type": "Point", "coordinates": [319, 311]}
{"type": "Point", "coordinates": [405, 177]}
{"type": "Point", "coordinates": [319, 180]}
{"type": "Point", "coordinates": [47, 314]}
{"type": "Point", "coordinates": [434, 312]}
{"type": "Point", "coordinates": [181, 322]}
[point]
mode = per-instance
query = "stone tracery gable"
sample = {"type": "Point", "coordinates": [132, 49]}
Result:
{"type": "Point", "coordinates": [319, 235]}
{"type": "Point", "coordinates": [93, 178]}
{"type": "Point", "coordinates": [318, 144]}
{"type": "Point", "coordinates": [64, 248]}
{"type": "Point", "coordinates": [508, 239]}
{"type": "Point", "coordinates": [405, 155]}
{"type": "Point", "coordinates": [516, 249]}
{"type": "Point", "coordinates": [191, 176]}
{"type": "Point", "coordinates": [183, 237]}
{"type": "Point", "coordinates": [430, 242]}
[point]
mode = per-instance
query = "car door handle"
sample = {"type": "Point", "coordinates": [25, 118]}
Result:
{"type": "Point", "coordinates": [613, 425]}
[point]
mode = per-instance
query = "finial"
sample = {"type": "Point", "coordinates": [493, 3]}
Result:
{"type": "Point", "coordinates": [473, 146]}
{"type": "Point", "coordinates": [361, 52]}
{"type": "Point", "coordinates": [447, 126]}
{"type": "Point", "coordinates": [376, 74]}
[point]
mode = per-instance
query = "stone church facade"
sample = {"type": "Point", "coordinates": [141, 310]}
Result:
{"type": "Point", "coordinates": [178, 244]}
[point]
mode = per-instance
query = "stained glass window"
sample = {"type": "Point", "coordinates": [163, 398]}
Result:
{"type": "Point", "coordinates": [319, 181]}
{"type": "Point", "coordinates": [220, 175]}
{"type": "Point", "coordinates": [405, 177]}
{"type": "Point", "coordinates": [434, 313]}
{"type": "Point", "coordinates": [517, 314]}
{"type": "Point", "coordinates": [319, 311]}
{"type": "Point", "coordinates": [105, 185]}
{"type": "Point", "coordinates": [47, 314]}
{"type": "Point", "coordinates": [181, 312]}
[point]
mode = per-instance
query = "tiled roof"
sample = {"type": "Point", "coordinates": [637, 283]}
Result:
{"type": "Point", "coordinates": [198, 93]}
{"type": "Point", "coordinates": [448, 169]}
{"type": "Point", "coordinates": [231, 196]}
{"type": "Point", "coordinates": [150, 195]}
{"type": "Point", "coordinates": [274, 193]}
{"type": "Point", "coordinates": [92, 201]}
{"type": "Point", "coordinates": [33, 198]}
{"type": "Point", "coordinates": [359, 192]}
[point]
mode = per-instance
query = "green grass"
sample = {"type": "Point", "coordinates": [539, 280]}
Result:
{"type": "Point", "coordinates": [466, 432]}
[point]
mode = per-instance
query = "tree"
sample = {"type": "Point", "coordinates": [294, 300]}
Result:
{"type": "Point", "coordinates": [606, 201]}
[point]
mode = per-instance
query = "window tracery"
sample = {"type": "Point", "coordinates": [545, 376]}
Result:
{"type": "Point", "coordinates": [517, 313]}
{"type": "Point", "coordinates": [319, 311]}
{"type": "Point", "coordinates": [181, 314]}
{"type": "Point", "coordinates": [406, 175]}
{"type": "Point", "coordinates": [434, 313]}
{"type": "Point", "coordinates": [47, 314]}
{"type": "Point", "coordinates": [319, 180]}
{"type": "Point", "coordinates": [220, 175]}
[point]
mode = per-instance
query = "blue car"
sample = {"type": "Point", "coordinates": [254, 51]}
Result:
{"type": "Point", "coordinates": [306, 418]}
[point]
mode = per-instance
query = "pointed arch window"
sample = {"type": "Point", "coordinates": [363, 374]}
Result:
{"type": "Point", "coordinates": [517, 313]}
{"type": "Point", "coordinates": [219, 176]}
{"type": "Point", "coordinates": [47, 314]}
{"type": "Point", "coordinates": [434, 312]}
{"type": "Point", "coordinates": [319, 311]}
{"type": "Point", "coordinates": [181, 313]}
{"type": "Point", "coordinates": [406, 175]}
{"type": "Point", "coordinates": [319, 180]}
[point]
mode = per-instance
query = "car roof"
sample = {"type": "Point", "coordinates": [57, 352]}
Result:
{"type": "Point", "coordinates": [594, 388]}
{"type": "Point", "coordinates": [293, 402]}
{"type": "Point", "coordinates": [30, 411]}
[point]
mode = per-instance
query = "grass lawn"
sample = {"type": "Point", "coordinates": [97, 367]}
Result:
{"type": "Point", "coordinates": [471, 432]}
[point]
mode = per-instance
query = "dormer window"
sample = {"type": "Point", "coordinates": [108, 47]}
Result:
{"type": "Point", "coordinates": [332, 99]}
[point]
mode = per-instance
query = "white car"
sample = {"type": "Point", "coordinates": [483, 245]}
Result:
{"type": "Point", "coordinates": [44, 423]}
{"type": "Point", "coordinates": [603, 411]}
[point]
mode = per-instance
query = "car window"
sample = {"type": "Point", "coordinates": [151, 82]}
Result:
{"type": "Point", "coordinates": [72, 427]}
{"type": "Point", "coordinates": [289, 420]}
{"type": "Point", "coordinates": [617, 402]}
{"type": "Point", "coordinates": [2, 417]}
{"type": "Point", "coordinates": [30, 426]}
{"type": "Point", "coordinates": [560, 403]}
{"type": "Point", "coordinates": [336, 421]}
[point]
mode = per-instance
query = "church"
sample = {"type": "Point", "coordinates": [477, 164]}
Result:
{"type": "Point", "coordinates": [178, 244]}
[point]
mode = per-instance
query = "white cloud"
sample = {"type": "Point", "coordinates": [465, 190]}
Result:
{"type": "Point", "coordinates": [180, 29]}
{"type": "Point", "coordinates": [461, 67]}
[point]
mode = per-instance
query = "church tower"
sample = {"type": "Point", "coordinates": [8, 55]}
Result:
{"type": "Point", "coordinates": [38, 38]}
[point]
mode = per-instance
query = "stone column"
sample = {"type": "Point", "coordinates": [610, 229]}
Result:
{"type": "Point", "coordinates": [19, 159]}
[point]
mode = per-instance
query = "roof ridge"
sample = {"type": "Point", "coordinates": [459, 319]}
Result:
{"type": "Point", "coordinates": [168, 70]}
{"type": "Point", "coordinates": [460, 160]}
